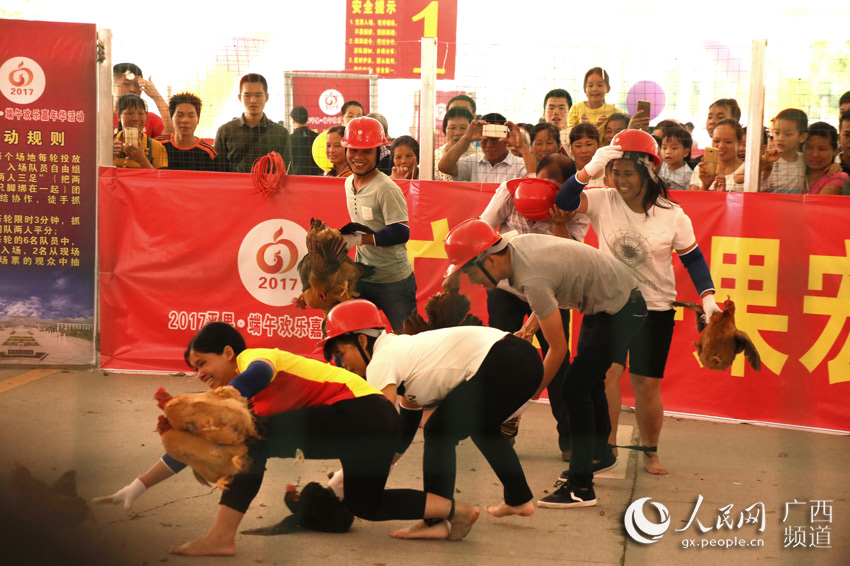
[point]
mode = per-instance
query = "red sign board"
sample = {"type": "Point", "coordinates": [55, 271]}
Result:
{"type": "Point", "coordinates": [323, 95]}
{"type": "Point", "coordinates": [383, 36]}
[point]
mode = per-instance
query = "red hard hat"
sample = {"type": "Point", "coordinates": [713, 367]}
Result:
{"type": "Point", "coordinates": [466, 241]}
{"type": "Point", "coordinates": [363, 133]}
{"type": "Point", "coordinates": [638, 141]}
{"type": "Point", "coordinates": [533, 197]}
{"type": "Point", "coordinates": [350, 316]}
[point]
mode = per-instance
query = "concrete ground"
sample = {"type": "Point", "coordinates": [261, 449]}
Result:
{"type": "Point", "coordinates": [102, 425]}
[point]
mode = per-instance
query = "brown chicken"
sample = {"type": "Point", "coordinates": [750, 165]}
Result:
{"type": "Point", "coordinates": [328, 274]}
{"type": "Point", "coordinates": [721, 341]}
{"type": "Point", "coordinates": [220, 415]}
{"type": "Point", "coordinates": [210, 462]}
{"type": "Point", "coordinates": [445, 309]}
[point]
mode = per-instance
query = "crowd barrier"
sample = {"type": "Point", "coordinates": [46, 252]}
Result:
{"type": "Point", "coordinates": [179, 248]}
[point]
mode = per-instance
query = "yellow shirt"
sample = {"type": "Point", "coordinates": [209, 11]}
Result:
{"type": "Point", "coordinates": [159, 159]}
{"type": "Point", "coordinates": [596, 116]}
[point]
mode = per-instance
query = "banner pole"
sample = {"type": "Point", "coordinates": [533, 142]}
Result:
{"type": "Point", "coordinates": [427, 104]}
{"type": "Point", "coordinates": [755, 117]}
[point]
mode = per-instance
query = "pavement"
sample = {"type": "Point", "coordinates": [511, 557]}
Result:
{"type": "Point", "coordinates": [784, 493]}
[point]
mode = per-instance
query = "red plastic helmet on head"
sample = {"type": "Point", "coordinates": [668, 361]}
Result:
{"type": "Point", "coordinates": [533, 197]}
{"type": "Point", "coordinates": [638, 141]}
{"type": "Point", "coordinates": [363, 133]}
{"type": "Point", "coordinates": [466, 241]}
{"type": "Point", "coordinates": [351, 316]}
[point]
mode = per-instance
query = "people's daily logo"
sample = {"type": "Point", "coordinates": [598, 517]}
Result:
{"type": "Point", "coordinates": [268, 259]}
{"type": "Point", "coordinates": [640, 528]}
{"type": "Point", "coordinates": [22, 80]}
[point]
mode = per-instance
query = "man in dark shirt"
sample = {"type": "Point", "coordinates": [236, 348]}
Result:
{"type": "Point", "coordinates": [242, 140]}
{"type": "Point", "coordinates": [185, 150]}
{"type": "Point", "coordinates": [302, 144]}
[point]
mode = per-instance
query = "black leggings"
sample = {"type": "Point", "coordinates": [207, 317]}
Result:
{"type": "Point", "coordinates": [362, 433]}
{"type": "Point", "coordinates": [508, 377]}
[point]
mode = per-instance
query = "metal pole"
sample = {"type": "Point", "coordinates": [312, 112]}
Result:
{"type": "Point", "coordinates": [427, 104]}
{"type": "Point", "coordinates": [755, 118]}
{"type": "Point", "coordinates": [104, 100]}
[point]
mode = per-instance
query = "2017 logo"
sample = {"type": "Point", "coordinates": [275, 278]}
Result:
{"type": "Point", "coordinates": [331, 101]}
{"type": "Point", "coordinates": [268, 258]}
{"type": "Point", "coordinates": [640, 528]}
{"type": "Point", "coordinates": [22, 80]}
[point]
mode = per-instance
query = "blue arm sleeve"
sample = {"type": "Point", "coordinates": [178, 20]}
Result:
{"type": "Point", "coordinates": [172, 464]}
{"type": "Point", "coordinates": [697, 268]}
{"type": "Point", "coordinates": [254, 379]}
{"type": "Point", "coordinates": [410, 419]}
{"type": "Point", "coordinates": [392, 235]}
{"type": "Point", "coordinates": [569, 195]}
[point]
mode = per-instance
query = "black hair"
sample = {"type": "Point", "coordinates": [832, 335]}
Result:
{"type": "Point", "coordinates": [800, 119]}
{"type": "Point", "coordinates": [405, 141]}
{"type": "Point", "coordinates": [689, 125]}
{"type": "Point", "coordinates": [299, 115]}
{"type": "Point", "coordinates": [213, 338]}
{"type": "Point", "coordinates": [545, 126]}
{"type": "Point", "coordinates": [348, 105]}
{"type": "Point", "coordinates": [184, 98]}
{"type": "Point", "coordinates": [731, 104]}
{"type": "Point", "coordinates": [254, 78]}
{"type": "Point", "coordinates": [682, 135]}
{"type": "Point", "coordinates": [558, 93]}
{"type": "Point", "coordinates": [131, 101]}
{"type": "Point", "coordinates": [558, 162]}
{"type": "Point", "coordinates": [583, 130]}
{"type": "Point", "coordinates": [465, 98]}
{"type": "Point", "coordinates": [350, 338]}
{"type": "Point", "coordinates": [844, 117]}
{"type": "Point", "coordinates": [824, 130]}
{"type": "Point", "coordinates": [597, 71]}
{"type": "Point", "coordinates": [734, 124]}
{"type": "Point", "coordinates": [845, 98]}
{"type": "Point", "coordinates": [337, 130]}
{"type": "Point", "coordinates": [665, 124]}
{"type": "Point", "coordinates": [618, 116]}
{"type": "Point", "coordinates": [457, 112]}
{"type": "Point", "coordinates": [494, 118]}
{"type": "Point", "coordinates": [121, 68]}
{"type": "Point", "coordinates": [765, 135]}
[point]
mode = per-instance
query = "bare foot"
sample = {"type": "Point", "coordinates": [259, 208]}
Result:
{"type": "Point", "coordinates": [653, 464]}
{"type": "Point", "coordinates": [465, 516]}
{"type": "Point", "coordinates": [205, 546]}
{"type": "Point", "coordinates": [420, 529]}
{"type": "Point", "coordinates": [503, 509]}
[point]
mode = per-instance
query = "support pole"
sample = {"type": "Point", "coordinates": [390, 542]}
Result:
{"type": "Point", "coordinates": [427, 104]}
{"type": "Point", "coordinates": [755, 117]}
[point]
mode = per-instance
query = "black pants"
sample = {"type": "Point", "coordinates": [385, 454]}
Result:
{"type": "Point", "coordinates": [507, 312]}
{"type": "Point", "coordinates": [362, 433]}
{"type": "Point", "coordinates": [507, 378]}
{"type": "Point", "coordinates": [602, 336]}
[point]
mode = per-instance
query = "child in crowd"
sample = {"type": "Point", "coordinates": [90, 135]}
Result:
{"type": "Point", "coordinates": [823, 176]}
{"type": "Point", "coordinates": [584, 141]}
{"type": "Point", "coordinates": [131, 147]}
{"type": "Point", "coordinates": [405, 152]}
{"type": "Point", "coordinates": [789, 131]}
{"type": "Point", "coordinates": [594, 110]}
{"type": "Point", "coordinates": [676, 145]}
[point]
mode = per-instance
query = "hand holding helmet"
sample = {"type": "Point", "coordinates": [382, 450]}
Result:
{"type": "Point", "coordinates": [601, 158]}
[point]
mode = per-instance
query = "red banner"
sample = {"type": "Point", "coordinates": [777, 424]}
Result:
{"type": "Point", "coordinates": [324, 93]}
{"type": "Point", "coordinates": [47, 192]}
{"type": "Point", "coordinates": [214, 258]}
{"type": "Point", "coordinates": [383, 36]}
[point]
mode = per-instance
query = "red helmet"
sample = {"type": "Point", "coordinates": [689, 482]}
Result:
{"type": "Point", "coordinates": [533, 197]}
{"type": "Point", "coordinates": [363, 133]}
{"type": "Point", "coordinates": [638, 141]}
{"type": "Point", "coordinates": [350, 316]}
{"type": "Point", "coordinates": [466, 241]}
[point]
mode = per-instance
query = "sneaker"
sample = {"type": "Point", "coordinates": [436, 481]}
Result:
{"type": "Point", "coordinates": [608, 462]}
{"type": "Point", "coordinates": [567, 496]}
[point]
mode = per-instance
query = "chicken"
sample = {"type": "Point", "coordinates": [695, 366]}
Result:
{"type": "Point", "coordinates": [315, 508]}
{"type": "Point", "coordinates": [49, 506]}
{"type": "Point", "coordinates": [328, 274]}
{"type": "Point", "coordinates": [220, 416]}
{"type": "Point", "coordinates": [445, 309]}
{"type": "Point", "coordinates": [721, 341]}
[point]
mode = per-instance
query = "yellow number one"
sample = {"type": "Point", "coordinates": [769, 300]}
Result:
{"type": "Point", "coordinates": [430, 16]}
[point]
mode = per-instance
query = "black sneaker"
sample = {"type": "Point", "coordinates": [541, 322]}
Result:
{"type": "Point", "coordinates": [568, 496]}
{"type": "Point", "coordinates": [608, 462]}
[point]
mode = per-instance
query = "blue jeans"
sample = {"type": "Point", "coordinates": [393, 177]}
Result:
{"type": "Point", "coordinates": [396, 299]}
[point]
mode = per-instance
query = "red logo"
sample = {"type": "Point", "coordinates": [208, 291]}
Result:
{"type": "Point", "coordinates": [21, 76]}
{"type": "Point", "coordinates": [277, 262]}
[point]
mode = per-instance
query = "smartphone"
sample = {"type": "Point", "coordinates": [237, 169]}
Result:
{"type": "Point", "coordinates": [709, 157]}
{"type": "Point", "coordinates": [494, 131]}
{"type": "Point", "coordinates": [132, 136]}
{"type": "Point", "coordinates": [644, 106]}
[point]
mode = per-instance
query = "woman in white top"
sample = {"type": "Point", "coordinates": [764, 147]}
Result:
{"type": "Point", "coordinates": [637, 223]}
{"type": "Point", "coordinates": [728, 138]}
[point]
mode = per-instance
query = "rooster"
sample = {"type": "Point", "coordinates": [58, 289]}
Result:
{"type": "Point", "coordinates": [721, 341]}
{"type": "Point", "coordinates": [445, 309]}
{"type": "Point", "coordinates": [328, 274]}
{"type": "Point", "coordinates": [208, 432]}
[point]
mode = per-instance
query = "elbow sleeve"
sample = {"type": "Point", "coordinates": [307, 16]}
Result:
{"type": "Point", "coordinates": [392, 235]}
{"type": "Point", "coordinates": [569, 195]}
{"type": "Point", "coordinates": [254, 379]}
{"type": "Point", "coordinates": [697, 268]}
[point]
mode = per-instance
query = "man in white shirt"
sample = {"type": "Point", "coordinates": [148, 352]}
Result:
{"type": "Point", "coordinates": [494, 165]}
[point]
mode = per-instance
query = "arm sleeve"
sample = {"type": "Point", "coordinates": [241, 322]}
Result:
{"type": "Point", "coordinates": [221, 150]}
{"type": "Point", "coordinates": [697, 268]}
{"type": "Point", "coordinates": [465, 166]}
{"type": "Point", "coordinates": [173, 465]}
{"type": "Point", "coordinates": [410, 419]}
{"type": "Point", "coordinates": [498, 209]}
{"type": "Point", "coordinates": [392, 235]}
{"type": "Point", "coordinates": [254, 379]}
{"type": "Point", "coordinates": [569, 195]}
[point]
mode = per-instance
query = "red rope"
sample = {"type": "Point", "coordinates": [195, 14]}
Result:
{"type": "Point", "coordinates": [269, 174]}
